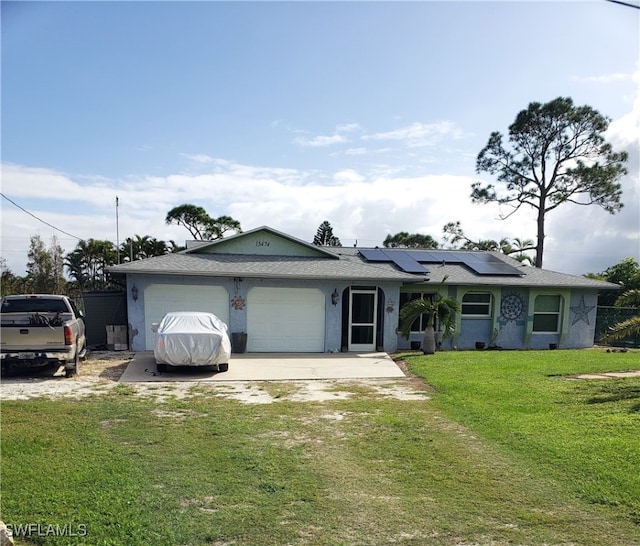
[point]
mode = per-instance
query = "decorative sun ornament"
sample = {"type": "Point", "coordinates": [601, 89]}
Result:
{"type": "Point", "coordinates": [512, 306]}
{"type": "Point", "coordinates": [238, 303]}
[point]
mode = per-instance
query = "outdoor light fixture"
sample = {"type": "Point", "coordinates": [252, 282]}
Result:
{"type": "Point", "coordinates": [335, 296]}
{"type": "Point", "coordinates": [134, 292]}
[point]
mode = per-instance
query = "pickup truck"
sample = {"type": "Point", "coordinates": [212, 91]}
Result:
{"type": "Point", "coordinates": [41, 329]}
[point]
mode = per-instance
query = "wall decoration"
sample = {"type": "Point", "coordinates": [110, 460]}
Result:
{"type": "Point", "coordinates": [581, 311]}
{"type": "Point", "coordinates": [237, 303]}
{"type": "Point", "coordinates": [512, 307]}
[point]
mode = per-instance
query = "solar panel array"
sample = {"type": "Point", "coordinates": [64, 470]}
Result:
{"type": "Point", "coordinates": [411, 261]}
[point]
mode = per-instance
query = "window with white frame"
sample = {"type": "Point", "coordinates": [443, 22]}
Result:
{"type": "Point", "coordinates": [546, 314]}
{"type": "Point", "coordinates": [476, 305]}
{"type": "Point", "coordinates": [420, 323]}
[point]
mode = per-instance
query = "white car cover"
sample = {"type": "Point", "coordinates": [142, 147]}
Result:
{"type": "Point", "coordinates": [192, 339]}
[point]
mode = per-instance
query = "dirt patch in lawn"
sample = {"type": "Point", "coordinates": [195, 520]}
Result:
{"type": "Point", "coordinates": [605, 375]}
{"type": "Point", "coordinates": [101, 371]}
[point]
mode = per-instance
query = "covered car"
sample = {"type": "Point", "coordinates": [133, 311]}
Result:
{"type": "Point", "coordinates": [191, 338]}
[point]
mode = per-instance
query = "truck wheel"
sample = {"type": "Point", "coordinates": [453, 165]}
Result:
{"type": "Point", "coordinates": [223, 367]}
{"type": "Point", "coordinates": [162, 368]}
{"type": "Point", "coordinates": [70, 372]}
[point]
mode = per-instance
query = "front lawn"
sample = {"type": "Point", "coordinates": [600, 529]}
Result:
{"type": "Point", "coordinates": [506, 452]}
{"type": "Point", "coordinates": [582, 432]}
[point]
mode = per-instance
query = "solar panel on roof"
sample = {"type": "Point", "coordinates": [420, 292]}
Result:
{"type": "Point", "coordinates": [409, 265]}
{"type": "Point", "coordinates": [374, 255]}
{"type": "Point", "coordinates": [410, 261]}
{"type": "Point", "coordinates": [422, 256]}
{"type": "Point", "coordinates": [467, 257]}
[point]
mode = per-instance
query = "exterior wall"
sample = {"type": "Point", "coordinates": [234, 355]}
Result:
{"type": "Point", "coordinates": [511, 323]}
{"type": "Point", "coordinates": [238, 290]}
{"type": "Point", "coordinates": [512, 318]}
{"type": "Point", "coordinates": [472, 330]}
{"type": "Point", "coordinates": [509, 327]}
{"type": "Point", "coordinates": [390, 312]}
{"type": "Point", "coordinates": [582, 326]}
{"type": "Point", "coordinates": [262, 243]}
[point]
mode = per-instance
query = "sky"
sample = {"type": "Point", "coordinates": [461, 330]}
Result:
{"type": "Point", "coordinates": [369, 115]}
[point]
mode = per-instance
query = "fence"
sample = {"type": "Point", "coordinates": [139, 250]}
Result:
{"type": "Point", "coordinates": [102, 310]}
{"type": "Point", "coordinates": [608, 316]}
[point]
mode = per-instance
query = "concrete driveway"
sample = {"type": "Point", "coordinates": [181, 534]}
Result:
{"type": "Point", "coordinates": [271, 367]}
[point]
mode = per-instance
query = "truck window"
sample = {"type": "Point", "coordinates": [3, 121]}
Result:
{"type": "Point", "coordinates": [34, 305]}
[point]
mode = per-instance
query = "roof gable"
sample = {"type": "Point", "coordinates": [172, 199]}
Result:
{"type": "Point", "coordinates": [262, 241]}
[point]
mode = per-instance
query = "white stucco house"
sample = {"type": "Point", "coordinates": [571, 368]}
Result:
{"type": "Point", "coordinates": [288, 295]}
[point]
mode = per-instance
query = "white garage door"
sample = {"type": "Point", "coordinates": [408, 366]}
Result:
{"type": "Point", "coordinates": [159, 299]}
{"type": "Point", "coordinates": [285, 320]}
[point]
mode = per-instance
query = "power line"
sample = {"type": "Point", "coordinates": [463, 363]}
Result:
{"type": "Point", "coordinates": [637, 6]}
{"type": "Point", "coordinates": [39, 219]}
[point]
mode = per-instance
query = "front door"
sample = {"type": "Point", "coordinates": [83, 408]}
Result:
{"type": "Point", "coordinates": [362, 319]}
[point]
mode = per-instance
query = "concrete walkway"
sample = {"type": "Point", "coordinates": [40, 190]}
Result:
{"type": "Point", "coordinates": [271, 367]}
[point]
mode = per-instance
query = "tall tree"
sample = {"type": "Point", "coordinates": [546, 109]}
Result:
{"type": "Point", "coordinates": [45, 267]}
{"type": "Point", "coordinates": [10, 283]}
{"type": "Point", "coordinates": [557, 154]}
{"type": "Point", "coordinates": [404, 239]}
{"type": "Point", "coordinates": [88, 263]}
{"type": "Point", "coordinates": [325, 237]}
{"type": "Point", "coordinates": [141, 247]}
{"type": "Point", "coordinates": [199, 224]}
{"type": "Point", "coordinates": [626, 273]}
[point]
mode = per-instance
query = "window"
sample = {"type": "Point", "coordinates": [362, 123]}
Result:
{"type": "Point", "coordinates": [420, 323]}
{"type": "Point", "coordinates": [476, 304]}
{"type": "Point", "coordinates": [546, 314]}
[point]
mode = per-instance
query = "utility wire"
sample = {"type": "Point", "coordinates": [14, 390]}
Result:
{"type": "Point", "coordinates": [637, 6]}
{"type": "Point", "coordinates": [39, 219]}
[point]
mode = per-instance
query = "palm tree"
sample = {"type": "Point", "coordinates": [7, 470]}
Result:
{"type": "Point", "coordinates": [438, 306]}
{"type": "Point", "coordinates": [629, 327]}
{"type": "Point", "coordinates": [519, 246]}
{"type": "Point", "coordinates": [87, 263]}
{"type": "Point", "coordinates": [140, 247]}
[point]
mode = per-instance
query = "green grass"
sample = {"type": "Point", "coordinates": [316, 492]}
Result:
{"type": "Point", "coordinates": [506, 452]}
{"type": "Point", "coordinates": [582, 432]}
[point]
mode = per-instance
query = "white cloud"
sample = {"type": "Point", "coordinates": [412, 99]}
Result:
{"type": "Point", "coordinates": [420, 134]}
{"type": "Point", "coordinates": [37, 182]}
{"type": "Point", "coordinates": [199, 158]}
{"type": "Point", "coordinates": [625, 131]}
{"type": "Point", "coordinates": [320, 141]}
{"type": "Point", "coordinates": [362, 206]}
{"type": "Point", "coordinates": [347, 128]}
{"type": "Point", "coordinates": [603, 78]}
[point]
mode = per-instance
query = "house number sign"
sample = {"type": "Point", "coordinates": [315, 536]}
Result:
{"type": "Point", "coordinates": [262, 243]}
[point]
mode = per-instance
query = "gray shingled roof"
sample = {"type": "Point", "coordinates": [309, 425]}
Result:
{"type": "Point", "coordinates": [350, 266]}
{"type": "Point", "coordinates": [243, 265]}
{"type": "Point", "coordinates": [458, 274]}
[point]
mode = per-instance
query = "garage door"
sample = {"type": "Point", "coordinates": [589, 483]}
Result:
{"type": "Point", "coordinates": [285, 320]}
{"type": "Point", "coordinates": [159, 299]}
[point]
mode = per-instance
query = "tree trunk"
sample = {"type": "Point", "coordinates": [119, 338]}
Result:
{"type": "Point", "coordinates": [540, 241]}
{"type": "Point", "coordinates": [429, 341]}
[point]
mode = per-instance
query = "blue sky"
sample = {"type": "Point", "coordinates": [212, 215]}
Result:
{"type": "Point", "coordinates": [366, 114]}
